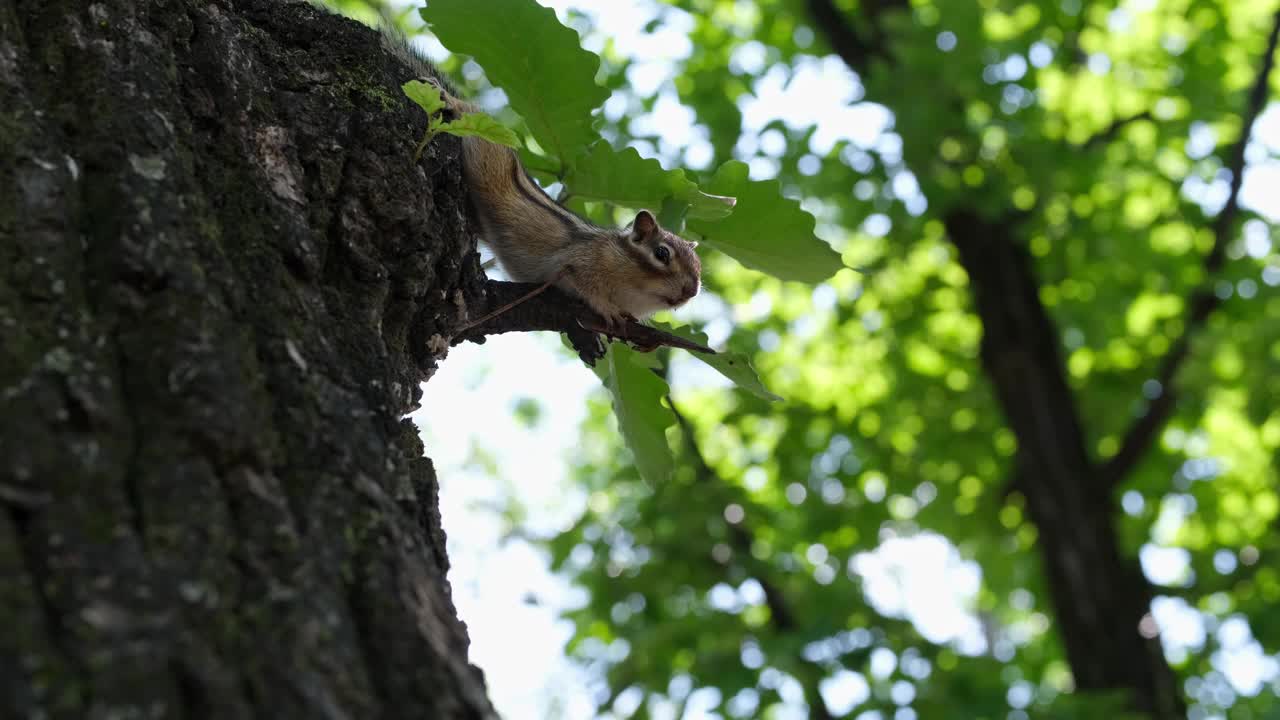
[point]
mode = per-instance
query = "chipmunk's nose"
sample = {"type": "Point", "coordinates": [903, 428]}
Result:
{"type": "Point", "coordinates": [685, 293]}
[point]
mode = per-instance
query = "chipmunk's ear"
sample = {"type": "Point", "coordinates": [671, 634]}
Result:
{"type": "Point", "coordinates": [692, 243]}
{"type": "Point", "coordinates": [645, 224]}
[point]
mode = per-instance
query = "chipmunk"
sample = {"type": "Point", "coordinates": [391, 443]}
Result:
{"type": "Point", "coordinates": [624, 274]}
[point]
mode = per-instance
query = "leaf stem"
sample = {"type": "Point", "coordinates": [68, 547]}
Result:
{"type": "Point", "coordinates": [426, 138]}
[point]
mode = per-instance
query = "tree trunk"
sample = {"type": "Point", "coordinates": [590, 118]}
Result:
{"type": "Point", "coordinates": [222, 280]}
{"type": "Point", "coordinates": [1101, 598]}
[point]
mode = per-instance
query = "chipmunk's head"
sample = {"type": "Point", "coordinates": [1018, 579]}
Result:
{"type": "Point", "coordinates": [670, 270]}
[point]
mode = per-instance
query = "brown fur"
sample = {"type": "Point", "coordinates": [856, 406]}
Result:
{"type": "Point", "coordinates": [615, 271]}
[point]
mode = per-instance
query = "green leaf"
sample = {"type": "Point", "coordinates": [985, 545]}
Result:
{"type": "Point", "coordinates": [767, 231]}
{"type": "Point", "coordinates": [735, 366]}
{"type": "Point", "coordinates": [540, 165]}
{"type": "Point", "coordinates": [540, 64]}
{"type": "Point", "coordinates": [625, 178]}
{"type": "Point", "coordinates": [427, 96]}
{"type": "Point", "coordinates": [483, 126]}
{"type": "Point", "coordinates": [673, 214]}
{"type": "Point", "coordinates": [704, 206]}
{"type": "Point", "coordinates": [637, 402]}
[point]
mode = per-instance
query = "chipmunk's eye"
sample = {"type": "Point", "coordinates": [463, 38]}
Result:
{"type": "Point", "coordinates": [663, 254]}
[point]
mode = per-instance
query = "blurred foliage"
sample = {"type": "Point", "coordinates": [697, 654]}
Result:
{"type": "Point", "coordinates": [1104, 126]}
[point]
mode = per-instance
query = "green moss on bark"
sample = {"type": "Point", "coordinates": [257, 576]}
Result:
{"type": "Point", "coordinates": [221, 269]}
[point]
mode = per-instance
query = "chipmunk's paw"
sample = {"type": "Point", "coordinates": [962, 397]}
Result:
{"type": "Point", "coordinates": [616, 324]}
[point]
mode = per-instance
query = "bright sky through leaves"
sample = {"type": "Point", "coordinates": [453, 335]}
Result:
{"type": "Point", "coordinates": [942, 587]}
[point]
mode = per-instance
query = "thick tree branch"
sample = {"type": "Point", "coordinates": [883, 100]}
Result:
{"type": "Point", "coordinates": [1204, 300]}
{"type": "Point", "coordinates": [856, 50]}
{"type": "Point", "coordinates": [558, 311]}
{"type": "Point", "coordinates": [1099, 594]}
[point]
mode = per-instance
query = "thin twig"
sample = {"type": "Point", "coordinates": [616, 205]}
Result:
{"type": "Point", "coordinates": [1109, 133]}
{"type": "Point", "coordinates": [781, 615]}
{"type": "Point", "coordinates": [1203, 300]}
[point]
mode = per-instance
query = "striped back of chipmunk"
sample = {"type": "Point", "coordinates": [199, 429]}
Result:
{"type": "Point", "coordinates": [523, 226]}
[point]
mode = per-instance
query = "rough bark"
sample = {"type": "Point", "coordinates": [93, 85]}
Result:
{"type": "Point", "coordinates": [222, 280]}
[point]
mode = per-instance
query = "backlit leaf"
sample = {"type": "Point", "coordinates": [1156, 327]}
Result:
{"type": "Point", "coordinates": [637, 402]}
{"type": "Point", "coordinates": [767, 231]}
{"type": "Point", "coordinates": [549, 79]}
{"type": "Point", "coordinates": [481, 125]}
{"type": "Point", "coordinates": [735, 366]}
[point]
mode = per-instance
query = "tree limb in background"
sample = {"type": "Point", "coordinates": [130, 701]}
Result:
{"type": "Point", "coordinates": [1204, 300]}
{"type": "Point", "coordinates": [780, 614]}
{"type": "Point", "coordinates": [1071, 43]}
{"type": "Point", "coordinates": [856, 51]}
{"type": "Point", "coordinates": [779, 609]}
{"type": "Point", "coordinates": [525, 308]}
{"type": "Point", "coordinates": [1110, 132]}
{"type": "Point", "coordinates": [1099, 594]}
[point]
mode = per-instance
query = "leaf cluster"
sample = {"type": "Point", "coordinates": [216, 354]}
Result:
{"type": "Point", "coordinates": [550, 82]}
